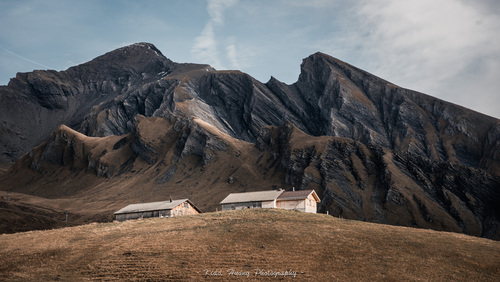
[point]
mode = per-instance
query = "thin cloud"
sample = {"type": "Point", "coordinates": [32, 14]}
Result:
{"type": "Point", "coordinates": [432, 47]}
{"type": "Point", "coordinates": [216, 9]}
{"type": "Point", "coordinates": [425, 35]}
{"type": "Point", "coordinates": [26, 59]}
{"type": "Point", "coordinates": [233, 56]}
{"type": "Point", "coordinates": [312, 3]}
{"type": "Point", "coordinates": [448, 49]}
{"type": "Point", "coordinates": [205, 45]}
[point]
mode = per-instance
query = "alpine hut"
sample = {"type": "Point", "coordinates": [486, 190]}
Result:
{"type": "Point", "coordinates": [157, 209]}
{"type": "Point", "coordinates": [303, 200]}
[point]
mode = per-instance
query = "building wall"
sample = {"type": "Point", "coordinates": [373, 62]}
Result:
{"type": "Point", "coordinates": [311, 205]}
{"type": "Point", "coordinates": [240, 206]}
{"type": "Point", "coordinates": [269, 204]}
{"type": "Point", "coordinates": [303, 205]}
{"type": "Point", "coordinates": [292, 205]}
{"type": "Point", "coordinates": [146, 214]}
{"type": "Point", "coordinates": [182, 209]}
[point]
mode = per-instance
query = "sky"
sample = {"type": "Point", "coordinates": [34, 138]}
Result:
{"type": "Point", "coordinates": [449, 49]}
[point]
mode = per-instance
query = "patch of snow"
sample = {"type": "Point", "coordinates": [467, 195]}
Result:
{"type": "Point", "coordinates": [163, 73]}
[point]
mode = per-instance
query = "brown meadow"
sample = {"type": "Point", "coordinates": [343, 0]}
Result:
{"type": "Point", "coordinates": [261, 243]}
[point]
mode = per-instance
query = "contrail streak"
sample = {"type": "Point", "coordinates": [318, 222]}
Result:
{"type": "Point", "coordinates": [25, 59]}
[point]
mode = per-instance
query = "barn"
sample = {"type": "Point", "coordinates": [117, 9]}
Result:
{"type": "Point", "coordinates": [248, 200]}
{"type": "Point", "coordinates": [304, 200]}
{"type": "Point", "coordinates": [157, 209]}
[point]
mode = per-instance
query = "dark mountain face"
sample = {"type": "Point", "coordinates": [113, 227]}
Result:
{"type": "Point", "coordinates": [35, 104]}
{"type": "Point", "coordinates": [372, 150]}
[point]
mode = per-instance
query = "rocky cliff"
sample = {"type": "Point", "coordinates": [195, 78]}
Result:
{"type": "Point", "coordinates": [372, 150]}
{"type": "Point", "coordinates": [34, 104]}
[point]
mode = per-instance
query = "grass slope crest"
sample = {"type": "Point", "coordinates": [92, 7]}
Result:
{"type": "Point", "coordinates": [260, 244]}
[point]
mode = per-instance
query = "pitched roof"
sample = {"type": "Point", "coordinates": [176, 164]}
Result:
{"type": "Point", "coordinates": [252, 196]}
{"type": "Point", "coordinates": [296, 195]}
{"type": "Point", "coordinates": [154, 206]}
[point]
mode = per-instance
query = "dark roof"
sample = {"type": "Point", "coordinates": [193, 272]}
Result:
{"type": "Point", "coordinates": [295, 195]}
{"type": "Point", "coordinates": [154, 206]}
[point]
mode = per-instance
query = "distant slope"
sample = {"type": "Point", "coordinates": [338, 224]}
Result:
{"type": "Point", "coordinates": [25, 212]}
{"type": "Point", "coordinates": [312, 247]}
{"type": "Point", "coordinates": [20, 217]}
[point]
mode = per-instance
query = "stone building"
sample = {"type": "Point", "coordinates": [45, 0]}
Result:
{"type": "Point", "coordinates": [157, 209]}
{"type": "Point", "coordinates": [304, 200]}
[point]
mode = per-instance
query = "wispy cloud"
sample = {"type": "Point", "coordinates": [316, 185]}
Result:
{"type": "Point", "coordinates": [312, 3]}
{"type": "Point", "coordinates": [216, 9]}
{"type": "Point", "coordinates": [442, 37]}
{"type": "Point", "coordinates": [205, 45]}
{"type": "Point", "coordinates": [232, 55]}
{"type": "Point", "coordinates": [446, 48]}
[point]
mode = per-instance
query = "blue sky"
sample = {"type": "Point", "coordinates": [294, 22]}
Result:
{"type": "Point", "coordinates": [449, 49]}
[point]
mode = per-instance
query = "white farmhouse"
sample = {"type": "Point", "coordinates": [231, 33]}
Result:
{"type": "Point", "coordinates": [304, 200]}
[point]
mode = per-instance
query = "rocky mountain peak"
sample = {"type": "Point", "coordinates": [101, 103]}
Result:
{"type": "Point", "coordinates": [65, 97]}
{"type": "Point", "coordinates": [142, 61]}
{"type": "Point", "coordinates": [324, 66]}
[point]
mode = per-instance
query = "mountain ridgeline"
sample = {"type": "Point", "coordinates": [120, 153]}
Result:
{"type": "Point", "coordinates": [131, 125]}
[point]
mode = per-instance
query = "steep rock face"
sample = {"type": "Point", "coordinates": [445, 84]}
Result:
{"type": "Point", "coordinates": [75, 151]}
{"type": "Point", "coordinates": [352, 103]}
{"type": "Point", "coordinates": [233, 102]}
{"type": "Point", "coordinates": [153, 140]}
{"type": "Point", "coordinates": [376, 184]}
{"type": "Point", "coordinates": [50, 98]}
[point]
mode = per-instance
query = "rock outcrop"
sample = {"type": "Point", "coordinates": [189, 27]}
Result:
{"type": "Point", "coordinates": [373, 183]}
{"type": "Point", "coordinates": [34, 104]}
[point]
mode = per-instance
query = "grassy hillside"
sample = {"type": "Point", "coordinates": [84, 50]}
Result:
{"type": "Point", "coordinates": [311, 246]}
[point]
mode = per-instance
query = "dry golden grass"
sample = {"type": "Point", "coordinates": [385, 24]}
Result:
{"type": "Point", "coordinates": [314, 246]}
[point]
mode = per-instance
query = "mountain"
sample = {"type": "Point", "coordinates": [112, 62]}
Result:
{"type": "Point", "coordinates": [133, 126]}
{"type": "Point", "coordinates": [35, 104]}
